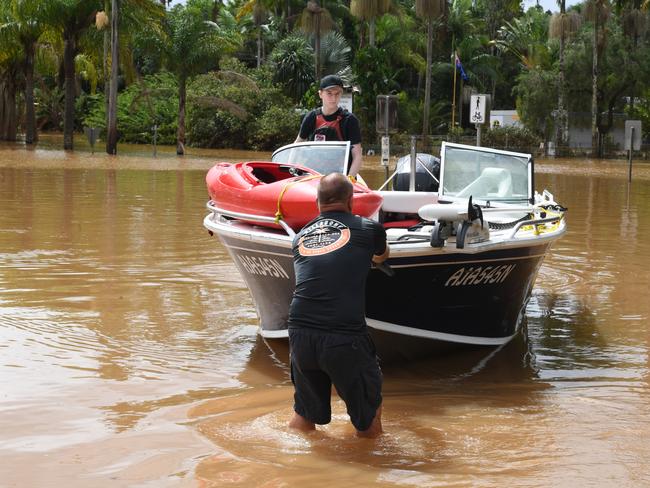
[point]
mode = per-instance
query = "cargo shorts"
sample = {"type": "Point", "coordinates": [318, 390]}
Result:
{"type": "Point", "coordinates": [349, 362]}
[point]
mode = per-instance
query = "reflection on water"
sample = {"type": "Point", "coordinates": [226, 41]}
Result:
{"type": "Point", "coordinates": [129, 354]}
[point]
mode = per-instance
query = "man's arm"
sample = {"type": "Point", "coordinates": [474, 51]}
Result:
{"type": "Point", "coordinates": [306, 127]}
{"type": "Point", "coordinates": [380, 258]}
{"type": "Point", "coordinates": [381, 249]}
{"type": "Point", "coordinates": [357, 160]}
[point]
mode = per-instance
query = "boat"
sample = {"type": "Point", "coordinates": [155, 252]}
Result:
{"type": "Point", "coordinates": [284, 192]}
{"type": "Point", "coordinates": [465, 249]}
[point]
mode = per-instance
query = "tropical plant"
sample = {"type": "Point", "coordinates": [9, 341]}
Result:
{"type": "Point", "coordinates": [71, 18]}
{"type": "Point", "coordinates": [535, 87]}
{"type": "Point", "coordinates": [293, 62]}
{"type": "Point", "coordinates": [369, 11]}
{"type": "Point", "coordinates": [230, 108]}
{"type": "Point", "coordinates": [146, 106]}
{"type": "Point", "coordinates": [526, 39]}
{"type": "Point", "coordinates": [596, 11]}
{"type": "Point", "coordinates": [26, 25]}
{"type": "Point", "coordinates": [335, 53]}
{"type": "Point", "coordinates": [562, 26]}
{"type": "Point", "coordinates": [259, 13]}
{"type": "Point", "coordinates": [191, 45]}
{"type": "Point", "coordinates": [431, 11]}
{"type": "Point", "coordinates": [316, 21]}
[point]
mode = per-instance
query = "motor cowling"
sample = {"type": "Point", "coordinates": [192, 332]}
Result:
{"type": "Point", "coordinates": [426, 166]}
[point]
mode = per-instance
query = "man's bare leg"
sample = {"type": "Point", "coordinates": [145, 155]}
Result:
{"type": "Point", "coordinates": [375, 428]}
{"type": "Point", "coordinates": [301, 423]}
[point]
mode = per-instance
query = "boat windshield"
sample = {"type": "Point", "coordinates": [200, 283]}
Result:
{"type": "Point", "coordinates": [324, 157]}
{"type": "Point", "coordinates": [485, 174]}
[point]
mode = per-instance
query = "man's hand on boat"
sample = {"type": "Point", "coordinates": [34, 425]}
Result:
{"type": "Point", "coordinates": [379, 260]}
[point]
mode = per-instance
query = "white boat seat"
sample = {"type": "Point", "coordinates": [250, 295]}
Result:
{"type": "Point", "coordinates": [493, 182]}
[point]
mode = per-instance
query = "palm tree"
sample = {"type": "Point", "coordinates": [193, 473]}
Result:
{"type": "Point", "coordinates": [191, 46]}
{"type": "Point", "coordinates": [562, 26]}
{"type": "Point", "coordinates": [111, 128]}
{"type": "Point", "coordinates": [71, 18]}
{"type": "Point", "coordinates": [431, 11]}
{"type": "Point", "coordinates": [11, 57]}
{"type": "Point", "coordinates": [293, 61]}
{"type": "Point", "coordinates": [370, 11]}
{"type": "Point", "coordinates": [597, 11]}
{"type": "Point", "coordinates": [317, 21]}
{"type": "Point", "coordinates": [259, 12]}
{"type": "Point", "coordinates": [26, 25]}
{"type": "Point", "coordinates": [635, 23]}
{"type": "Point", "coordinates": [137, 13]}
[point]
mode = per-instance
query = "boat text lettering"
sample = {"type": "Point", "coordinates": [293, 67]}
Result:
{"type": "Point", "coordinates": [480, 275]}
{"type": "Point", "coordinates": [262, 266]}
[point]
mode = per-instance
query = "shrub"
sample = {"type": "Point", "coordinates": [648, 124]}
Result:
{"type": "Point", "coordinates": [510, 137]}
{"type": "Point", "coordinates": [239, 108]}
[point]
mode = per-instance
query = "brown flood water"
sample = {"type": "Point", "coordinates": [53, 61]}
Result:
{"type": "Point", "coordinates": [129, 354]}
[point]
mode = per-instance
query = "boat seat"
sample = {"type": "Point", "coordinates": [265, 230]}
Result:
{"type": "Point", "coordinates": [493, 182]}
{"type": "Point", "coordinates": [401, 224]}
{"type": "Point", "coordinates": [263, 175]}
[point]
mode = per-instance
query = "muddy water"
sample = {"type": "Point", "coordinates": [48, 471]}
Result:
{"type": "Point", "coordinates": [129, 355]}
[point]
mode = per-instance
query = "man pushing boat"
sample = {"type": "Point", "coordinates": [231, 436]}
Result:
{"type": "Point", "coordinates": [333, 123]}
{"type": "Point", "coordinates": [328, 337]}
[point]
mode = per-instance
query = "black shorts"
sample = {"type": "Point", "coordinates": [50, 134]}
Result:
{"type": "Point", "coordinates": [320, 359]}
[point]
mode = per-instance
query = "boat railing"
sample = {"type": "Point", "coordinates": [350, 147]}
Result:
{"type": "Point", "coordinates": [212, 207]}
{"type": "Point", "coordinates": [533, 223]}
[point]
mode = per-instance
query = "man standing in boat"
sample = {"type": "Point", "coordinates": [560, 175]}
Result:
{"type": "Point", "coordinates": [333, 123]}
{"type": "Point", "coordinates": [328, 336]}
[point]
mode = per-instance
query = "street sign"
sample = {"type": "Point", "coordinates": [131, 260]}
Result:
{"type": "Point", "coordinates": [385, 150]}
{"type": "Point", "coordinates": [477, 109]}
{"type": "Point", "coordinates": [633, 135]}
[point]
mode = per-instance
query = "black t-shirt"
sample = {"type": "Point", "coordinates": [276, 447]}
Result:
{"type": "Point", "coordinates": [349, 125]}
{"type": "Point", "coordinates": [332, 255]}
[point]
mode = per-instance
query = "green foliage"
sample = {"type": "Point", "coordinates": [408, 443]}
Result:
{"type": "Point", "coordinates": [536, 92]}
{"type": "Point", "coordinates": [293, 63]}
{"type": "Point", "coordinates": [376, 77]}
{"type": "Point", "coordinates": [152, 101]}
{"type": "Point", "coordinates": [276, 127]}
{"type": "Point", "coordinates": [233, 110]}
{"type": "Point", "coordinates": [510, 137]}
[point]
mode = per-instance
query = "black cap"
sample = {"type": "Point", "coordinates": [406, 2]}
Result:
{"type": "Point", "coordinates": [330, 81]}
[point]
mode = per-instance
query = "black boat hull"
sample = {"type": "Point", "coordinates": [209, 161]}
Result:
{"type": "Point", "coordinates": [449, 297]}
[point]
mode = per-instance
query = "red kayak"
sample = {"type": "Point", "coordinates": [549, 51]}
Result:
{"type": "Point", "coordinates": [283, 191]}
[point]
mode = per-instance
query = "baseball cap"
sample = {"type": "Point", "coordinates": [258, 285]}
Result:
{"type": "Point", "coordinates": [330, 81]}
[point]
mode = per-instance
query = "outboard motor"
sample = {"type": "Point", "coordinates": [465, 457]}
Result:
{"type": "Point", "coordinates": [427, 173]}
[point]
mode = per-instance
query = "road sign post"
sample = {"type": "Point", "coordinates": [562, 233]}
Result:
{"type": "Point", "coordinates": [478, 113]}
{"type": "Point", "coordinates": [632, 142]}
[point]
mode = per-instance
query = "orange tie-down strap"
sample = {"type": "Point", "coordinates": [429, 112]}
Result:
{"type": "Point", "coordinates": [278, 214]}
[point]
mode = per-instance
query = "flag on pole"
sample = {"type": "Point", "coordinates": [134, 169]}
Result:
{"type": "Point", "coordinates": [459, 67]}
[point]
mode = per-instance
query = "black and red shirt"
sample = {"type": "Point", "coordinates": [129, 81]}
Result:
{"type": "Point", "coordinates": [339, 126]}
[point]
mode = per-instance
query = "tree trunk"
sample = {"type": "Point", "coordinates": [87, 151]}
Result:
{"type": "Point", "coordinates": [427, 80]}
{"type": "Point", "coordinates": [317, 48]}
{"type": "Point", "coordinates": [69, 48]}
{"type": "Point", "coordinates": [30, 111]}
{"type": "Point", "coordinates": [371, 32]}
{"type": "Point", "coordinates": [561, 128]}
{"type": "Point", "coordinates": [111, 129]}
{"type": "Point", "coordinates": [107, 44]}
{"type": "Point", "coordinates": [180, 136]}
{"type": "Point", "coordinates": [594, 91]}
{"type": "Point", "coordinates": [259, 46]}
